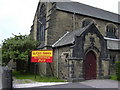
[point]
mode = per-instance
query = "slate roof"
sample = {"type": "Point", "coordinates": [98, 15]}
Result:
{"type": "Point", "coordinates": [113, 44]}
{"type": "Point", "coordinates": [42, 44]}
{"type": "Point", "coordinates": [75, 7]}
{"type": "Point", "coordinates": [69, 38]}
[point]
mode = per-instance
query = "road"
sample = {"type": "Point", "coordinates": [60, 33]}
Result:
{"type": "Point", "coordinates": [85, 85]}
{"type": "Point", "coordinates": [69, 85]}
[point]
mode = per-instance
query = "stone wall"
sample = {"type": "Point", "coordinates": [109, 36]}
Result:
{"type": "Point", "coordinates": [78, 68]}
{"type": "Point", "coordinates": [60, 62]}
{"type": "Point", "coordinates": [105, 68]}
{"type": "Point", "coordinates": [69, 22]}
{"type": "Point", "coordinates": [115, 54]}
{"type": "Point", "coordinates": [57, 24]}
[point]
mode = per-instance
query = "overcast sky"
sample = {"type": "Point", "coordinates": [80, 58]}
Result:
{"type": "Point", "coordinates": [16, 16]}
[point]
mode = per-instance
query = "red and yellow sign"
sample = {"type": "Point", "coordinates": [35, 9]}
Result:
{"type": "Point", "coordinates": [42, 56]}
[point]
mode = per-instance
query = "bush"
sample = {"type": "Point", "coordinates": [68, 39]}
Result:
{"type": "Point", "coordinates": [15, 73]}
{"type": "Point", "coordinates": [117, 68]}
{"type": "Point", "coordinates": [113, 77]}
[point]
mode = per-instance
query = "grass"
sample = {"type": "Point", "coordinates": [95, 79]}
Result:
{"type": "Point", "coordinates": [113, 77]}
{"type": "Point", "coordinates": [38, 78]}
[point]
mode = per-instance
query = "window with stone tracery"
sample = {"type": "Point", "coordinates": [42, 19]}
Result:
{"type": "Point", "coordinates": [41, 26]}
{"type": "Point", "coordinates": [111, 31]}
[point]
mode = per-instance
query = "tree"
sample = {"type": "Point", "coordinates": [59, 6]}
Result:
{"type": "Point", "coordinates": [17, 48]}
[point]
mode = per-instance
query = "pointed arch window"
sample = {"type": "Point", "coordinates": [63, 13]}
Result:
{"type": "Point", "coordinates": [111, 31]}
{"type": "Point", "coordinates": [41, 24]}
{"type": "Point", "coordinates": [86, 22]}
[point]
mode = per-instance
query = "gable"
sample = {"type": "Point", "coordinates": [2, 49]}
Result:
{"type": "Point", "coordinates": [93, 30]}
{"type": "Point", "coordinates": [69, 38]}
{"type": "Point", "coordinates": [90, 39]}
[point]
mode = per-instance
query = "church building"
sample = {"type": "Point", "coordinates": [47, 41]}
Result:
{"type": "Point", "coordinates": [85, 40]}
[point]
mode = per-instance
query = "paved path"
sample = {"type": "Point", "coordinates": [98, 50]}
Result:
{"type": "Point", "coordinates": [85, 84]}
{"type": "Point", "coordinates": [37, 84]}
{"type": "Point", "coordinates": [102, 83]}
{"type": "Point", "coordinates": [68, 85]}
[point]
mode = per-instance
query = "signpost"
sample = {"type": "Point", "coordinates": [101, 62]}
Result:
{"type": "Point", "coordinates": [41, 56]}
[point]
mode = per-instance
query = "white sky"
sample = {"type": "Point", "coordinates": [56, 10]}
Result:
{"type": "Point", "coordinates": [16, 16]}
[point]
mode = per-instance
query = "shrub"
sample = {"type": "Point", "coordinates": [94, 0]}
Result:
{"type": "Point", "coordinates": [117, 68]}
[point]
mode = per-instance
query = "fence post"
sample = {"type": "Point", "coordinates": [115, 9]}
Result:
{"type": "Point", "coordinates": [6, 78]}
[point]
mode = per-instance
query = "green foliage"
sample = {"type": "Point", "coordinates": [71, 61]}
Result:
{"type": "Point", "coordinates": [38, 78]}
{"type": "Point", "coordinates": [15, 73]}
{"type": "Point", "coordinates": [117, 68]}
{"type": "Point", "coordinates": [17, 47]}
{"type": "Point", "coordinates": [113, 77]}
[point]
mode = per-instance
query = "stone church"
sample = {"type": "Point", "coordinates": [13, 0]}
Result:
{"type": "Point", "coordinates": [84, 39]}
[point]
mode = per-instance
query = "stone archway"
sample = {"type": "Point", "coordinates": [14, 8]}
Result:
{"type": "Point", "coordinates": [90, 66]}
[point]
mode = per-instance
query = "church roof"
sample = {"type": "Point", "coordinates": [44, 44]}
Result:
{"type": "Point", "coordinates": [69, 38]}
{"type": "Point", "coordinates": [78, 8]}
{"type": "Point", "coordinates": [113, 44]}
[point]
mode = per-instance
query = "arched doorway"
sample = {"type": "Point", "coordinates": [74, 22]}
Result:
{"type": "Point", "coordinates": [90, 65]}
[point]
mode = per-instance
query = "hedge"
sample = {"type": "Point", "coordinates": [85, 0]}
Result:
{"type": "Point", "coordinates": [117, 68]}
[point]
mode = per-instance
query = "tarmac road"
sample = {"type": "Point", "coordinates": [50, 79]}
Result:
{"type": "Point", "coordinates": [85, 85]}
{"type": "Point", "coordinates": [69, 85]}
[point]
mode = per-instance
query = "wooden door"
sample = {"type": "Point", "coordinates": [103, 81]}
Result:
{"type": "Point", "coordinates": [90, 65]}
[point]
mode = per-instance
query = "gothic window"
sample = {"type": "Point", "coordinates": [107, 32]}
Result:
{"type": "Point", "coordinates": [86, 22]}
{"type": "Point", "coordinates": [41, 24]}
{"type": "Point", "coordinates": [111, 31]}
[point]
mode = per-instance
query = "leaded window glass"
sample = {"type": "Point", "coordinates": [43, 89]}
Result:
{"type": "Point", "coordinates": [41, 24]}
{"type": "Point", "coordinates": [111, 31]}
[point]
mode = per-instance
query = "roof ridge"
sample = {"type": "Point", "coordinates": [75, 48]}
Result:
{"type": "Point", "coordinates": [97, 8]}
{"type": "Point", "coordinates": [93, 7]}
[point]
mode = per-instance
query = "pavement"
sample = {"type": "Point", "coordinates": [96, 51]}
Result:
{"type": "Point", "coordinates": [37, 84]}
{"type": "Point", "coordinates": [68, 85]}
{"type": "Point", "coordinates": [102, 83]}
{"type": "Point", "coordinates": [84, 84]}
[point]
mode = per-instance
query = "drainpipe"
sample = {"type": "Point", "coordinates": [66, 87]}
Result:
{"type": "Point", "coordinates": [57, 62]}
{"type": "Point", "coordinates": [73, 21]}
